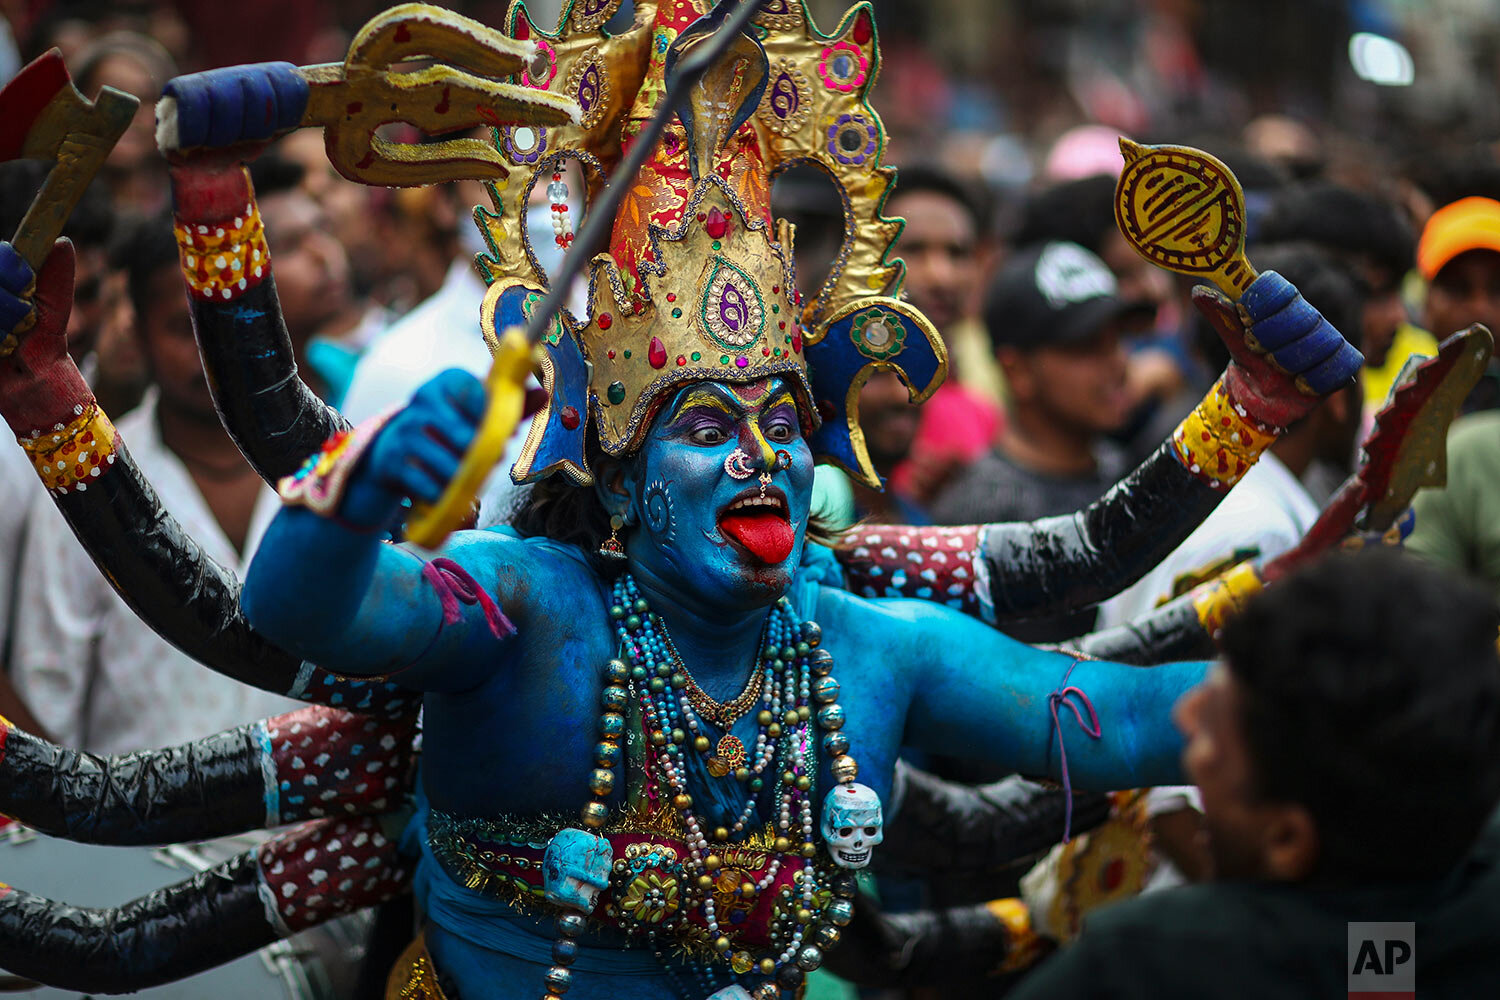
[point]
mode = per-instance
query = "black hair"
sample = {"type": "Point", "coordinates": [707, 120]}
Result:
{"type": "Point", "coordinates": [926, 177]}
{"type": "Point", "coordinates": [1080, 211]}
{"type": "Point", "coordinates": [1369, 693]}
{"type": "Point", "coordinates": [272, 173]}
{"type": "Point", "coordinates": [1342, 220]}
{"type": "Point", "coordinates": [145, 50]}
{"type": "Point", "coordinates": [142, 248]}
{"type": "Point", "coordinates": [91, 222]}
{"type": "Point", "coordinates": [1451, 175]}
{"type": "Point", "coordinates": [1330, 285]}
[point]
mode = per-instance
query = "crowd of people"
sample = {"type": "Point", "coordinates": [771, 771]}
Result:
{"type": "Point", "coordinates": [1344, 754]}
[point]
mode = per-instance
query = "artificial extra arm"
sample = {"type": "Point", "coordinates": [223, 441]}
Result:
{"type": "Point", "coordinates": [313, 763]}
{"type": "Point", "coordinates": [216, 916]}
{"type": "Point", "coordinates": [955, 829]}
{"type": "Point", "coordinates": [155, 567]}
{"type": "Point", "coordinates": [271, 414]}
{"type": "Point", "coordinates": [1008, 571]}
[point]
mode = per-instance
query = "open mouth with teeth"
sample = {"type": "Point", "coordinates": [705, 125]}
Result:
{"type": "Point", "coordinates": [761, 525]}
{"type": "Point", "coordinates": [854, 858]}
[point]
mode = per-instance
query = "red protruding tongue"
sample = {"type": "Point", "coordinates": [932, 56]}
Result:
{"type": "Point", "coordinates": [767, 535]}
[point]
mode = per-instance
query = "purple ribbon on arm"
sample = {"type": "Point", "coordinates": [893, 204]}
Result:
{"type": "Point", "coordinates": [455, 586]}
{"type": "Point", "coordinates": [1059, 698]}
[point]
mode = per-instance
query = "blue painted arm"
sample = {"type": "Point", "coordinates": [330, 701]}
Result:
{"type": "Point", "coordinates": [330, 589]}
{"type": "Point", "coordinates": [976, 691]}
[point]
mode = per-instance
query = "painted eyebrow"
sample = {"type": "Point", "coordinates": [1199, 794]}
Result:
{"type": "Point", "coordinates": [703, 397]}
{"type": "Point", "coordinates": [781, 397]}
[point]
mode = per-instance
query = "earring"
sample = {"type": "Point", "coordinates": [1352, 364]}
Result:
{"type": "Point", "coordinates": [611, 548]}
{"type": "Point", "coordinates": [737, 464]}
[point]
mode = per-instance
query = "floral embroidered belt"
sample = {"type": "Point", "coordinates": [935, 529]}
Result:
{"type": "Point", "coordinates": [756, 890]}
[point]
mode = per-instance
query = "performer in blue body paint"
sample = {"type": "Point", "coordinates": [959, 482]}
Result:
{"type": "Point", "coordinates": [660, 722]}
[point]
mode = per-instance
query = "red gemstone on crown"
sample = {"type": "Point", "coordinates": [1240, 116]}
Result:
{"type": "Point", "coordinates": [605, 321]}
{"type": "Point", "coordinates": [717, 224]}
{"type": "Point", "coordinates": [657, 354]}
{"type": "Point", "coordinates": [570, 418]}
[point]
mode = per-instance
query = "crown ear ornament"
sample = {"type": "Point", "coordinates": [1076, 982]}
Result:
{"type": "Point", "coordinates": [697, 281]}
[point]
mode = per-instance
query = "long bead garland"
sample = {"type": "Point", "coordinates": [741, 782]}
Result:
{"type": "Point", "coordinates": [793, 678]}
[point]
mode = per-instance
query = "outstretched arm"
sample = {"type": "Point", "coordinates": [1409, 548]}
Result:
{"type": "Point", "coordinates": [324, 584]}
{"type": "Point", "coordinates": [977, 692]}
{"type": "Point", "coordinates": [1008, 571]}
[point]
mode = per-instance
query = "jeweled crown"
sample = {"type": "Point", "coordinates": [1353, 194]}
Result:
{"type": "Point", "coordinates": [698, 281]}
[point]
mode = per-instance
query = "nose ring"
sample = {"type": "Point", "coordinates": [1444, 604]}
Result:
{"type": "Point", "coordinates": [783, 459]}
{"type": "Point", "coordinates": [737, 464]}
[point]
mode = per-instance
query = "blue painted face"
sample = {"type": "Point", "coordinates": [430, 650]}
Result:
{"type": "Point", "coordinates": [720, 492]}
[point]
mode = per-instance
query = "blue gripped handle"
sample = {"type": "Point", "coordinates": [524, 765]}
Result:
{"type": "Point", "coordinates": [1297, 336]}
{"type": "Point", "coordinates": [222, 107]}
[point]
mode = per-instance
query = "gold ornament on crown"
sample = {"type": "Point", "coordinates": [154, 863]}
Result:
{"type": "Point", "coordinates": [679, 296]}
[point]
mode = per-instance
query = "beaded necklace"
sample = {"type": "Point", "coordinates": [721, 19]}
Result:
{"type": "Point", "coordinates": [792, 680]}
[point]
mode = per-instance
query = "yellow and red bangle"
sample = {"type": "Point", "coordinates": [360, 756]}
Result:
{"type": "Point", "coordinates": [1223, 597]}
{"type": "Point", "coordinates": [69, 455]}
{"type": "Point", "coordinates": [1218, 442]}
{"type": "Point", "coordinates": [1025, 946]}
{"type": "Point", "coordinates": [223, 260]}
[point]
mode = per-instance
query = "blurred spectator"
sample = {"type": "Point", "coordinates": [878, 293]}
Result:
{"type": "Point", "coordinates": [138, 65]}
{"type": "Point", "coordinates": [443, 332]}
{"type": "Point", "coordinates": [890, 424]}
{"type": "Point", "coordinates": [1056, 318]}
{"type": "Point", "coordinates": [1286, 142]}
{"type": "Point", "coordinates": [1369, 234]}
{"type": "Point", "coordinates": [943, 245]}
{"type": "Point", "coordinates": [397, 246]}
{"type": "Point", "coordinates": [1082, 211]}
{"type": "Point", "coordinates": [1458, 524]}
{"type": "Point", "coordinates": [325, 318]}
{"type": "Point", "coordinates": [1459, 256]}
{"type": "Point", "coordinates": [1270, 509]}
{"type": "Point", "coordinates": [1347, 752]}
{"type": "Point", "coordinates": [94, 675]}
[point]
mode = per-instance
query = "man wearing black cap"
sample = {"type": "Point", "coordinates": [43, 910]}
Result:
{"type": "Point", "coordinates": [1055, 318]}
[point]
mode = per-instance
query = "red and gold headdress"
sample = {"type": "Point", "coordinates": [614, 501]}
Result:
{"type": "Point", "coordinates": [698, 281]}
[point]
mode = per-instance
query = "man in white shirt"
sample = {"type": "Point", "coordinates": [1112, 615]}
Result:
{"type": "Point", "coordinates": [96, 677]}
{"type": "Point", "coordinates": [442, 333]}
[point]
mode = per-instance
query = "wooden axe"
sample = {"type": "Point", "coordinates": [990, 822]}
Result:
{"type": "Point", "coordinates": [46, 118]}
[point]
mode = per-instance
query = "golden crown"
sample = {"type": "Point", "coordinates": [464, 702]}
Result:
{"type": "Point", "coordinates": [698, 281]}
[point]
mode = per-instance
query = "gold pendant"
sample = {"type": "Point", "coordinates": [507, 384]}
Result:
{"type": "Point", "coordinates": [728, 756]}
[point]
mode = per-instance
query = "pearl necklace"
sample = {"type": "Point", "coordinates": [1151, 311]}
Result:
{"type": "Point", "coordinates": [793, 680]}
